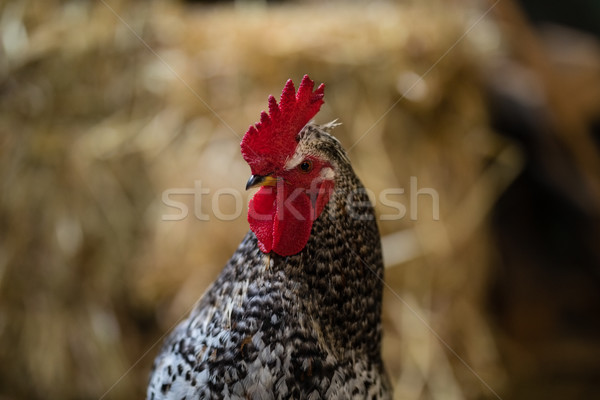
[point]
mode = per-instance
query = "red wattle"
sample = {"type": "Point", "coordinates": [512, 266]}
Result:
{"type": "Point", "coordinates": [261, 211]}
{"type": "Point", "coordinates": [292, 224]}
{"type": "Point", "coordinates": [281, 219]}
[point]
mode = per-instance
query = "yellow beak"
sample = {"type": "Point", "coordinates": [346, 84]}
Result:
{"type": "Point", "coordinates": [261, 180]}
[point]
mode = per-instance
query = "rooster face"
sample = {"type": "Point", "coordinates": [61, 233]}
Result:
{"type": "Point", "coordinates": [294, 165]}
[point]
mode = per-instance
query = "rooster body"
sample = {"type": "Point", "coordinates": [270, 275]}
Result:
{"type": "Point", "coordinates": [302, 326]}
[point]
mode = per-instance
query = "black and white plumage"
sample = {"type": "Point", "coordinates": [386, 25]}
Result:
{"type": "Point", "coordinates": [304, 326]}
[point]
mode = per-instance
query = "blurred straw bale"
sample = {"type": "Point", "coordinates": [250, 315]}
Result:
{"type": "Point", "coordinates": [98, 124]}
{"type": "Point", "coordinates": [112, 111]}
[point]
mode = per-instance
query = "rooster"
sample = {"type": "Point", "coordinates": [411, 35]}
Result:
{"type": "Point", "coordinates": [296, 311]}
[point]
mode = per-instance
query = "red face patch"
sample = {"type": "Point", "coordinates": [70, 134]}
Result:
{"type": "Point", "coordinates": [281, 216]}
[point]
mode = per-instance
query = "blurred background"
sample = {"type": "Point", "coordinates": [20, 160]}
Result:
{"type": "Point", "coordinates": [492, 107]}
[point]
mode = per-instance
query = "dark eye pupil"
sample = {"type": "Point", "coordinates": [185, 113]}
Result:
{"type": "Point", "coordinates": [305, 166]}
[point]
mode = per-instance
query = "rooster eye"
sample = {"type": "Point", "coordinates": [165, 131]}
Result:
{"type": "Point", "coordinates": [306, 166]}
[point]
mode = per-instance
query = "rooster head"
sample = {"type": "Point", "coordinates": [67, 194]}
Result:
{"type": "Point", "coordinates": [295, 178]}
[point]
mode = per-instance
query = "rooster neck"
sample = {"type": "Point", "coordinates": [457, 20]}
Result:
{"type": "Point", "coordinates": [338, 275]}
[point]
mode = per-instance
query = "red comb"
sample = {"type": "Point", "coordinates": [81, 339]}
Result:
{"type": "Point", "coordinates": [272, 140]}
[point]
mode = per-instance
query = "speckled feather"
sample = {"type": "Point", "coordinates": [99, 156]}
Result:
{"type": "Point", "coordinates": [305, 326]}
